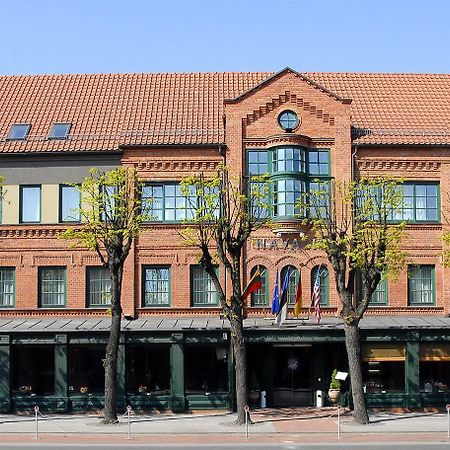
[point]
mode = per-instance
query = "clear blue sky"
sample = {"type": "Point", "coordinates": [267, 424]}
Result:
{"type": "Point", "coordinates": [104, 36]}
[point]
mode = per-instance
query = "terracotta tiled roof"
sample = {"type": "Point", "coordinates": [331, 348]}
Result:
{"type": "Point", "coordinates": [394, 108]}
{"type": "Point", "coordinates": [109, 110]}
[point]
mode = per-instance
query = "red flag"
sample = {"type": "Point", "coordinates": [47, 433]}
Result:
{"type": "Point", "coordinates": [253, 285]}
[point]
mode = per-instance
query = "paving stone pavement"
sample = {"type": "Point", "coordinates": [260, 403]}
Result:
{"type": "Point", "coordinates": [269, 425]}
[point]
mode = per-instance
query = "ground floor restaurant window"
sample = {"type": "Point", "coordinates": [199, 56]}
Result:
{"type": "Point", "coordinates": [148, 369]}
{"type": "Point", "coordinates": [383, 368]}
{"type": "Point", "coordinates": [292, 378]}
{"type": "Point", "coordinates": [434, 368]}
{"type": "Point", "coordinates": [206, 369]}
{"type": "Point", "coordinates": [32, 369]}
{"type": "Point", "coordinates": [86, 371]}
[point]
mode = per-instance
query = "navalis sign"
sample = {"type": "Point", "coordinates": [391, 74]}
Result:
{"type": "Point", "coordinates": [290, 244]}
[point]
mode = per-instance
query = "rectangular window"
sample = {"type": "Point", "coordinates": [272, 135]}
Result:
{"type": "Point", "coordinates": [70, 203]}
{"type": "Point", "coordinates": [18, 131]}
{"type": "Point", "coordinates": [99, 287]}
{"type": "Point", "coordinates": [421, 285]}
{"type": "Point", "coordinates": [30, 204]}
{"type": "Point", "coordinates": [59, 130]}
{"type": "Point", "coordinates": [156, 290]}
{"type": "Point", "coordinates": [52, 287]}
{"type": "Point", "coordinates": [7, 287]}
{"type": "Point", "coordinates": [203, 291]}
{"type": "Point", "coordinates": [258, 163]}
{"type": "Point", "coordinates": [380, 297]}
{"type": "Point", "coordinates": [318, 162]}
{"type": "Point", "coordinates": [420, 203]}
{"type": "Point", "coordinates": [167, 202]}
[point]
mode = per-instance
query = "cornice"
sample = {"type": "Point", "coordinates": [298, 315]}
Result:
{"type": "Point", "coordinates": [175, 166]}
{"type": "Point", "coordinates": [399, 165]}
{"type": "Point", "coordinates": [287, 139]}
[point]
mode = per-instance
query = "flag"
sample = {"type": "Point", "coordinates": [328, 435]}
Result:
{"type": "Point", "coordinates": [253, 285]}
{"type": "Point", "coordinates": [298, 298]}
{"type": "Point", "coordinates": [275, 298]}
{"type": "Point", "coordinates": [315, 301]}
{"type": "Point", "coordinates": [282, 310]}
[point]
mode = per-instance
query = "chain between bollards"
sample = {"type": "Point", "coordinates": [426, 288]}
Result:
{"type": "Point", "coordinates": [36, 415]}
{"type": "Point", "coordinates": [247, 412]}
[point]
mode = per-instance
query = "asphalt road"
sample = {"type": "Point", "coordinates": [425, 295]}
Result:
{"type": "Point", "coordinates": [281, 446]}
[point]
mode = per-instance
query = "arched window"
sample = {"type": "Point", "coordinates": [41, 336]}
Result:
{"type": "Point", "coordinates": [322, 272]}
{"type": "Point", "coordinates": [260, 297]}
{"type": "Point", "coordinates": [293, 282]}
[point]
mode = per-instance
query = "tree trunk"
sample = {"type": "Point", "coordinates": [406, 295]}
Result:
{"type": "Point", "coordinates": [352, 343]}
{"type": "Point", "coordinates": [240, 362]}
{"type": "Point", "coordinates": [110, 361]}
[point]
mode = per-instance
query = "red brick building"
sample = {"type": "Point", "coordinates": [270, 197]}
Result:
{"type": "Point", "coordinates": [174, 348]}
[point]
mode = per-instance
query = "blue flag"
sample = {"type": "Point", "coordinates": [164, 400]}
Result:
{"type": "Point", "coordinates": [275, 298]}
{"type": "Point", "coordinates": [282, 305]}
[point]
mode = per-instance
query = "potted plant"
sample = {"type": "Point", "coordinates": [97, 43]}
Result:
{"type": "Point", "coordinates": [334, 391]}
{"type": "Point", "coordinates": [253, 389]}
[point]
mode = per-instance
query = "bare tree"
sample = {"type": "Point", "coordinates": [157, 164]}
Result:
{"type": "Point", "coordinates": [355, 224]}
{"type": "Point", "coordinates": [225, 212]}
{"type": "Point", "coordinates": [111, 218]}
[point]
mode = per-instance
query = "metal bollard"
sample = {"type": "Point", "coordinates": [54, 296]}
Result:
{"type": "Point", "coordinates": [339, 422]}
{"type": "Point", "coordinates": [448, 421]}
{"type": "Point", "coordinates": [129, 421]}
{"type": "Point", "coordinates": [246, 409]}
{"type": "Point", "coordinates": [36, 414]}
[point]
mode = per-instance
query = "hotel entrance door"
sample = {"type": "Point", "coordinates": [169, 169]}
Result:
{"type": "Point", "coordinates": [292, 380]}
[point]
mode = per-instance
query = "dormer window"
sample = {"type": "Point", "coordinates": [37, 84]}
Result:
{"type": "Point", "coordinates": [18, 131]}
{"type": "Point", "coordinates": [59, 130]}
{"type": "Point", "coordinates": [288, 120]}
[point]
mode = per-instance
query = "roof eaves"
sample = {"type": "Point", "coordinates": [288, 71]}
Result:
{"type": "Point", "coordinates": [279, 74]}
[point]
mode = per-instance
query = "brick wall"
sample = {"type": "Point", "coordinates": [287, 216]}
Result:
{"type": "Point", "coordinates": [251, 122]}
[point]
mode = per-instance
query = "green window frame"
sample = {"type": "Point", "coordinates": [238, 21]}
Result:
{"type": "Point", "coordinates": [318, 163]}
{"type": "Point", "coordinates": [99, 287]}
{"type": "Point", "coordinates": [26, 215]}
{"type": "Point", "coordinates": [421, 285]}
{"type": "Point", "coordinates": [7, 287]}
{"type": "Point", "coordinates": [155, 286]}
{"type": "Point", "coordinates": [52, 287]}
{"type": "Point", "coordinates": [293, 283]}
{"type": "Point", "coordinates": [293, 171]}
{"type": "Point", "coordinates": [165, 202]}
{"type": "Point", "coordinates": [203, 290]}
{"type": "Point", "coordinates": [421, 203]}
{"type": "Point", "coordinates": [69, 204]}
{"type": "Point", "coordinates": [380, 295]}
{"type": "Point", "coordinates": [260, 297]}
{"type": "Point", "coordinates": [324, 284]}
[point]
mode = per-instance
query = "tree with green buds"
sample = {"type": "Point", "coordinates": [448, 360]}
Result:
{"type": "Point", "coordinates": [111, 217]}
{"type": "Point", "coordinates": [225, 211]}
{"type": "Point", "coordinates": [357, 224]}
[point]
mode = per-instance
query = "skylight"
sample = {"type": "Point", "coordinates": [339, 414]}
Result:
{"type": "Point", "coordinates": [18, 131]}
{"type": "Point", "coordinates": [59, 130]}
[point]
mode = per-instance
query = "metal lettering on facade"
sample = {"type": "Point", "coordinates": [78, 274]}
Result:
{"type": "Point", "coordinates": [276, 244]}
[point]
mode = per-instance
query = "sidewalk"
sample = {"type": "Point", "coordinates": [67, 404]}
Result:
{"type": "Point", "coordinates": [270, 426]}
